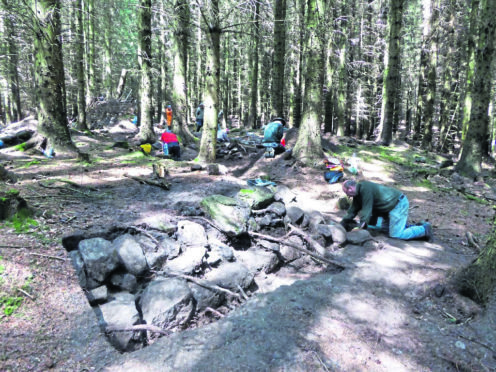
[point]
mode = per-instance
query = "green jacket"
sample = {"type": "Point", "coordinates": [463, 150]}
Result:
{"type": "Point", "coordinates": [372, 199]}
{"type": "Point", "coordinates": [273, 132]}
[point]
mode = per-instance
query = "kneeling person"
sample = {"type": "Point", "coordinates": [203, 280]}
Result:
{"type": "Point", "coordinates": [273, 135]}
{"type": "Point", "coordinates": [171, 144]}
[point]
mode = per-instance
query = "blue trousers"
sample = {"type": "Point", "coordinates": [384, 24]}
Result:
{"type": "Point", "coordinates": [397, 222]}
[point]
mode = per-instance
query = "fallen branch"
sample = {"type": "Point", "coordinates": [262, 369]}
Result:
{"type": "Point", "coordinates": [472, 240]}
{"type": "Point", "coordinates": [243, 292]}
{"type": "Point", "coordinates": [211, 223]}
{"type": "Point", "coordinates": [47, 256]}
{"type": "Point", "coordinates": [315, 244]}
{"type": "Point", "coordinates": [137, 328]}
{"type": "Point", "coordinates": [213, 311]}
{"type": "Point", "coordinates": [314, 255]}
{"type": "Point", "coordinates": [12, 246]}
{"type": "Point", "coordinates": [26, 294]}
{"type": "Point", "coordinates": [202, 283]}
{"type": "Point", "coordinates": [162, 183]}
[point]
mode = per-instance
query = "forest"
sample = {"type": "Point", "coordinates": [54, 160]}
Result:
{"type": "Point", "coordinates": [384, 79]}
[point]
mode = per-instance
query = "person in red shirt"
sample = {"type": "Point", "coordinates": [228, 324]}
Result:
{"type": "Point", "coordinates": [171, 144]}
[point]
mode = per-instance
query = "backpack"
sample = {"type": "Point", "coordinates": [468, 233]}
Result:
{"type": "Point", "coordinates": [333, 176]}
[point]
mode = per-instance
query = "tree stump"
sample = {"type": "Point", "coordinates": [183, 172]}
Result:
{"type": "Point", "coordinates": [11, 203]}
{"type": "Point", "coordinates": [160, 170]}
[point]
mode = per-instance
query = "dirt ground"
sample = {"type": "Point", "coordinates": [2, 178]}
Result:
{"type": "Point", "coordinates": [394, 309]}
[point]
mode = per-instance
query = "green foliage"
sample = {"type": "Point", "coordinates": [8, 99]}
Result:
{"type": "Point", "coordinates": [246, 191]}
{"type": "Point", "coordinates": [20, 147]}
{"type": "Point", "coordinates": [133, 157]}
{"type": "Point", "coordinates": [27, 165]}
{"type": "Point", "coordinates": [476, 199]}
{"type": "Point", "coordinates": [13, 192]}
{"type": "Point", "coordinates": [9, 282]}
{"type": "Point", "coordinates": [9, 304]}
{"type": "Point", "coordinates": [424, 183]}
{"type": "Point", "coordinates": [22, 221]}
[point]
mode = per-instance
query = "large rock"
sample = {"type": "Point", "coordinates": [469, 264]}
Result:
{"type": "Point", "coordinates": [338, 234]}
{"type": "Point", "coordinates": [256, 197]}
{"type": "Point", "coordinates": [358, 237]}
{"type": "Point", "coordinates": [258, 260]}
{"type": "Point", "coordinates": [189, 262]}
{"type": "Point", "coordinates": [219, 252]}
{"type": "Point", "coordinates": [288, 253]}
{"type": "Point", "coordinates": [130, 254]}
{"type": "Point", "coordinates": [315, 219]}
{"type": "Point", "coordinates": [157, 251]}
{"type": "Point", "coordinates": [205, 297]}
{"type": "Point", "coordinates": [229, 215]}
{"type": "Point", "coordinates": [121, 313]}
{"type": "Point", "coordinates": [231, 274]}
{"type": "Point", "coordinates": [277, 208]}
{"type": "Point", "coordinates": [294, 215]}
{"type": "Point", "coordinates": [191, 234]}
{"type": "Point", "coordinates": [78, 264]}
{"type": "Point", "coordinates": [100, 258]}
{"type": "Point", "coordinates": [285, 195]}
{"type": "Point", "coordinates": [167, 303]}
{"type": "Point", "coordinates": [124, 281]}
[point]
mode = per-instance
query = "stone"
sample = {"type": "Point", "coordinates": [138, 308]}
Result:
{"type": "Point", "coordinates": [130, 254]}
{"type": "Point", "coordinates": [78, 265]}
{"type": "Point", "coordinates": [295, 215]}
{"type": "Point", "coordinates": [99, 256]}
{"type": "Point", "coordinates": [229, 215]}
{"type": "Point", "coordinates": [258, 260]}
{"type": "Point", "coordinates": [256, 197]}
{"type": "Point", "coordinates": [124, 281]}
{"type": "Point", "coordinates": [191, 234]}
{"type": "Point", "coordinates": [98, 295]}
{"type": "Point", "coordinates": [358, 237]}
{"type": "Point", "coordinates": [189, 262]}
{"type": "Point", "coordinates": [167, 303]}
{"type": "Point", "coordinates": [229, 275]}
{"type": "Point", "coordinates": [121, 313]}
{"type": "Point", "coordinates": [277, 208]}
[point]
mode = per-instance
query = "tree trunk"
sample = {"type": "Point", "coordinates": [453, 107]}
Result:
{"type": "Point", "coordinates": [253, 112]}
{"type": "Point", "coordinates": [212, 78]}
{"type": "Point", "coordinates": [146, 133]}
{"type": "Point", "coordinates": [122, 83]}
{"type": "Point", "coordinates": [472, 41]}
{"type": "Point", "coordinates": [49, 75]}
{"type": "Point", "coordinates": [81, 93]}
{"type": "Point", "coordinates": [90, 54]}
{"type": "Point", "coordinates": [430, 73]}
{"type": "Point", "coordinates": [478, 280]}
{"type": "Point", "coordinates": [391, 89]}
{"type": "Point", "coordinates": [13, 112]}
{"type": "Point", "coordinates": [475, 141]}
{"type": "Point", "coordinates": [279, 58]}
{"type": "Point", "coordinates": [179, 82]}
{"type": "Point", "coordinates": [308, 147]}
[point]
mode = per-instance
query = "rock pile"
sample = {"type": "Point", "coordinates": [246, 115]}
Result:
{"type": "Point", "coordinates": [145, 282]}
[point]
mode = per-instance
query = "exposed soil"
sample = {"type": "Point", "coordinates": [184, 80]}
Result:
{"type": "Point", "coordinates": [393, 310]}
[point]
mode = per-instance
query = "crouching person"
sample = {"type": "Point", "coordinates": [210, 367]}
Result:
{"type": "Point", "coordinates": [273, 137]}
{"type": "Point", "coordinates": [372, 200]}
{"type": "Point", "coordinates": [170, 145]}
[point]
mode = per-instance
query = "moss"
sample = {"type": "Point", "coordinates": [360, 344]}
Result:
{"type": "Point", "coordinates": [27, 165]}
{"type": "Point", "coordinates": [20, 147]}
{"type": "Point", "coordinates": [13, 192]}
{"type": "Point", "coordinates": [246, 191]}
{"type": "Point", "coordinates": [22, 221]}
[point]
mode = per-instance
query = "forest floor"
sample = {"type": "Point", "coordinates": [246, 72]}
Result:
{"type": "Point", "coordinates": [394, 309]}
